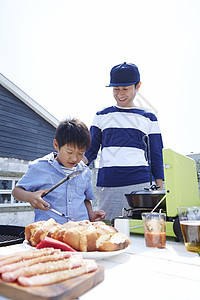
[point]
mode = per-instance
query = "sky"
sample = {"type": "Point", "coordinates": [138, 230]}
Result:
{"type": "Point", "coordinates": [60, 53]}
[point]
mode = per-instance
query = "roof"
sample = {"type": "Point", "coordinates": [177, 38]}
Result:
{"type": "Point", "coordinates": [11, 87]}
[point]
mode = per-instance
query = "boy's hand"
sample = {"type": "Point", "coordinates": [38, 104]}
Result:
{"type": "Point", "coordinates": [37, 201]}
{"type": "Point", "coordinates": [34, 198]}
{"type": "Point", "coordinates": [97, 215]}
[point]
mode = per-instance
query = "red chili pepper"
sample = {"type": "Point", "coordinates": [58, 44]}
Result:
{"type": "Point", "coordinates": [49, 242]}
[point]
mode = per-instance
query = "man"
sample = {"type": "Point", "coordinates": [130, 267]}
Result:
{"type": "Point", "coordinates": [120, 131]}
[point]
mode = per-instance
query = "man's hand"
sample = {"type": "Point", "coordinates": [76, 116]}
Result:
{"type": "Point", "coordinates": [159, 182]}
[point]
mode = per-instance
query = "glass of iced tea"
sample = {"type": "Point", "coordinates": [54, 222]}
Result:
{"type": "Point", "coordinates": [189, 218]}
{"type": "Point", "coordinates": [154, 229]}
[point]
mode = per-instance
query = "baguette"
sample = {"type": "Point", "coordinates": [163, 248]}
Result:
{"type": "Point", "coordinates": [112, 242]}
{"type": "Point", "coordinates": [35, 232]}
{"type": "Point", "coordinates": [72, 237]}
{"type": "Point", "coordinates": [84, 236]}
{"type": "Point", "coordinates": [88, 239]}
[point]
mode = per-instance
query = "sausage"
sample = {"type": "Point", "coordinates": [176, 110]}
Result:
{"type": "Point", "coordinates": [27, 255]}
{"type": "Point", "coordinates": [45, 279]}
{"type": "Point", "coordinates": [73, 261]}
{"type": "Point", "coordinates": [30, 262]}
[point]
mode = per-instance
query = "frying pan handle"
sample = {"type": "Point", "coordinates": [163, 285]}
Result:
{"type": "Point", "coordinates": [153, 187]}
{"type": "Point", "coordinates": [148, 154]}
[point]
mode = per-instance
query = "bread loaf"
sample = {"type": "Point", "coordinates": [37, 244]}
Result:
{"type": "Point", "coordinates": [112, 242]}
{"type": "Point", "coordinates": [35, 232]}
{"type": "Point", "coordinates": [84, 236]}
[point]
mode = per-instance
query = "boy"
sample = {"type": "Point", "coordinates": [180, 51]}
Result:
{"type": "Point", "coordinates": [119, 131]}
{"type": "Point", "coordinates": [73, 197]}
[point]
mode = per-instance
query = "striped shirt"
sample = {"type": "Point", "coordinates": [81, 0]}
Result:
{"type": "Point", "coordinates": [119, 133]}
{"type": "Point", "coordinates": [66, 170]}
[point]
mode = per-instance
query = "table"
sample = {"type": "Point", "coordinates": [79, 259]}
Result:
{"type": "Point", "coordinates": [145, 273]}
{"type": "Point", "coordinates": [150, 273]}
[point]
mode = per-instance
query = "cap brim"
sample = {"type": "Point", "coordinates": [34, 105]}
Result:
{"type": "Point", "coordinates": [121, 84]}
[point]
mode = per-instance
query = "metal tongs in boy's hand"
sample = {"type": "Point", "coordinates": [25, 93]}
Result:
{"type": "Point", "coordinates": [70, 176]}
{"type": "Point", "coordinates": [59, 213]}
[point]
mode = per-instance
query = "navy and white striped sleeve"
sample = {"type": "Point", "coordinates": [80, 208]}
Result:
{"type": "Point", "coordinates": [156, 146]}
{"type": "Point", "coordinates": [96, 141]}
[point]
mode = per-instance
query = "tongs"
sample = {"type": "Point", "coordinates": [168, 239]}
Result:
{"type": "Point", "coordinates": [59, 213]}
{"type": "Point", "coordinates": [70, 176]}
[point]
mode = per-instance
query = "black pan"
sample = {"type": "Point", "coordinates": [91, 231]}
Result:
{"type": "Point", "coordinates": [146, 199]}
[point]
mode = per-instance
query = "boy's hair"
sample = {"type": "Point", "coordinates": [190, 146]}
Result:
{"type": "Point", "coordinates": [73, 132]}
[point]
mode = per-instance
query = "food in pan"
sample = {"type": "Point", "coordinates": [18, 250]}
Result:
{"type": "Point", "coordinates": [44, 269]}
{"type": "Point", "coordinates": [84, 236]}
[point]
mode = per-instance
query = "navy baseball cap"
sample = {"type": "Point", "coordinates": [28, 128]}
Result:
{"type": "Point", "coordinates": [124, 74]}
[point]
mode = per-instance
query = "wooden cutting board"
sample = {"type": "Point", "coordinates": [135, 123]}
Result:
{"type": "Point", "coordinates": [68, 289]}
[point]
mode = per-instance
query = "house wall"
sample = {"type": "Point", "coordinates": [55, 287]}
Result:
{"type": "Point", "coordinates": [13, 167]}
{"type": "Point", "coordinates": [14, 214]}
{"type": "Point", "coordinates": [20, 216]}
{"type": "Point", "coordinates": [24, 134]}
